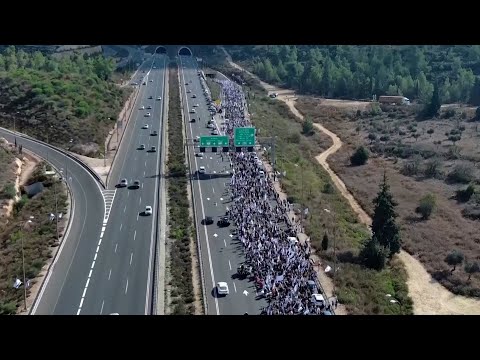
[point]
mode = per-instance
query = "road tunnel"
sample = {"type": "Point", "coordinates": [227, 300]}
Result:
{"type": "Point", "coordinates": [160, 50]}
{"type": "Point", "coordinates": [185, 51]}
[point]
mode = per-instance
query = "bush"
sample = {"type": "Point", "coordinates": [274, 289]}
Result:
{"type": "Point", "coordinates": [9, 192]}
{"type": "Point", "coordinates": [374, 255]}
{"type": "Point", "coordinates": [402, 133]}
{"type": "Point", "coordinates": [325, 242]}
{"type": "Point", "coordinates": [384, 138]}
{"type": "Point", "coordinates": [430, 132]}
{"type": "Point", "coordinates": [294, 138]}
{"type": "Point", "coordinates": [412, 167]}
{"type": "Point", "coordinates": [454, 258]}
{"type": "Point", "coordinates": [328, 188]}
{"type": "Point", "coordinates": [464, 115]}
{"type": "Point", "coordinates": [449, 113]}
{"type": "Point", "coordinates": [433, 168]}
{"type": "Point", "coordinates": [307, 128]}
{"type": "Point", "coordinates": [426, 206]}
{"type": "Point", "coordinates": [372, 137]}
{"type": "Point", "coordinates": [8, 308]}
{"type": "Point", "coordinates": [360, 157]}
{"type": "Point", "coordinates": [461, 174]}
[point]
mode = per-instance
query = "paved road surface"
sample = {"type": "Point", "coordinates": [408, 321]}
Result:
{"type": "Point", "coordinates": [63, 283]}
{"type": "Point", "coordinates": [122, 276]}
{"type": "Point", "coordinates": [221, 253]}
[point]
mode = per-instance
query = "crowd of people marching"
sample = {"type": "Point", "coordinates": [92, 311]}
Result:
{"type": "Point", "coordinates": [277, 261]}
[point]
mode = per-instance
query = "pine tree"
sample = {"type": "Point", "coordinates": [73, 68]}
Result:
{"type": "Point", "coordinates": [433, 107]}
{"type": "Point", "coordinates": [475, 93]}
{"type": "Point", "coordinates": [325, 242]}
{"type": "Point", "coordinates": [384, 228]}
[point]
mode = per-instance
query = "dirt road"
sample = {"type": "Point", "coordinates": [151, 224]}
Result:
{"type": "Point", "coordinates": [429, 296]}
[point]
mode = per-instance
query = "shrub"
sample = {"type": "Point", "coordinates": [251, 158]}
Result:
{"type": "Point", "coordinates": [432, 168]}
{"type": "Point", "coordinates": [8, 308]}
{"type": "Point", "coordinates": [328, 188]}
{"type": "Point", "coordinates": [449, 113]}
{"type": "Point", "coordinates": [384, 138]}
{"type": "Point", "coordinates": [360, 157]}
{"type": "Point", "coordinates": [412, 167]}
{"type": "Point", "coordinates": [294, 138]}
{"type": "Point", "coordinates": [471, 268]}
{"type": "Point", "coordinates": [373, 254]}
{"type": "Point", "coordinates": [464, 115]}
{"type": "Point", "coordinates": [9, 191]}
{"type": "Point", "coordinates": [461, 174]}
{"type": "Point", "coordinates": [372, 137]}
{"type": "Point", "coordinates": [307, 128]}
{"type": "Point", "coordinates": [430, 132]}
{"type": "Point", "coordinates": [465, 194]}
{"type": "Point", "coordinates": [325, 242]}
{"type": "Point", "coordinates": [461, 128]}
{"type": "Point", "coordinates": [426, 206]}
{"type": "Point", "coordinates": [454, 258]}
{"type": "Point", "coordinates": [402, 133]}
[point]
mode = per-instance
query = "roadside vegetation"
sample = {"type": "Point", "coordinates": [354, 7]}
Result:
{"type": "Point", "coordinates": [432, 167]}
{"type": "Point", "coordinates": [39, 238]}
{"type": "Point", "coordinates": [70, 101]}
{"type": "Point", "coordinates": [214, 88]}
{"type": "Point", "coordinates": [358, 72]}
{"type": "Point", "coordinates": [179, 221]}
{"type": "Point", "coordinates": [362, 290]}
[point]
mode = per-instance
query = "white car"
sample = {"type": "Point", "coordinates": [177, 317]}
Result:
{"type": "Point", "coordinates": [202, 170]}
{"type": "Point", "coordinates": [192, 111]}
{"type": "Point", "coordinates": [147, 114]}
{"type": "Point", "coordinates": [189, 91]}
{"type": "Point", "coordinates": [199, 154]}
{"type": "Point", "coordinates": [145, 126]}
{"type": "Point", "coordinates": [142, 107]}
{"type": "Point", "coordinates": [222, 288]}
{"type": "Point", "coordinates": [262, 173]}
{"type": "Point", "coordinates": [214, 132]}
{"type": "Point", "coordinates": [149, 107]}
{"type": "Point", "coordinates": [159, 98]}
{"type": "Point", "coordinates": [196, 105]}
{"type": "Point", "coordinates": [148, 210]}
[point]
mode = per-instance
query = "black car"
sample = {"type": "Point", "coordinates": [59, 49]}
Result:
{"type": "Point", "coordinates": [223, 222]}
{"type": "Point", "coordinates": [193, 120]}
{"type": "Point", "coordinates": [208, 220]}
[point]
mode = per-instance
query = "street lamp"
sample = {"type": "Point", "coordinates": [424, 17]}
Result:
{"type": "Point", "coordinates": [334, 251]}
{"type": "Point", "coordinates": [23, 264]}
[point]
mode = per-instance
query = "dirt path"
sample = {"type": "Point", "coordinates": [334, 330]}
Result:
{"type": "Point", "coordinates": [429, 296]}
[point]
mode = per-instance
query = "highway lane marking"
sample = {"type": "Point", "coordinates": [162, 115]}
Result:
{"type": "Point", "coordinates": [101, 310]}
{"type": "Point", "coordinates": [95, 258]}
{"type": "Point", "coordinates": [201, 201]}
{"type": "Point", "coordinates": [116, 247]}
{"type": "Point", "coordinates": [99, 242]}
{"type": "Point", "coordinates": [213, 189]}
{"type": "Point", "coordinates": [225, 245]}
{"type": "Point", "coordinates": [93, 264]}
{"type": "Point", "coordinates": [234, 286]}
{"type": "Point", "coordinates": [81, 303]}
{"type": "Point", "coordinates": [128, 193]}
{"type": "Point", "coordinates": [140, 200]}
{"type": "Point", "coordinates": [142, 185]}
{"type": "Point", "coordinates": [90, 273]}
{"type": "Point", "coordinates": [101, 234]}
{"type": "Point", "coordinates": [125, 208]}
{"type": "Point", "coordinates": [229, 265]}
{"type": "Point", "coordinates": [137, 216]}
{"type": "Point", "coordinates": [121, 226]}
{"type": "Point", "coordinates": [135, 235]}
{"type": "Point", "coordinates": [98, 247]}
{"type": "Point", "coordinates": [131, 257]}
{"type": "Point", "coordinates": [109, 274]}
{"type": "Point", "coordinates": [144, 173]}
{"type": "Point", "coordinates": [126, 286]}
{"type": "Point", "coordinates": [145, 163]}
{"type": "Point", "coordinates": [103, 228]}
{"type": "Point", "coordinates": [84, 291]}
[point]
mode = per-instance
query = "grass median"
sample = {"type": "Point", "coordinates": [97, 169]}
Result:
{"type": "Point", "coordinates": [307, 184]}
{"type": "Point", "coordinates": [180, 229]}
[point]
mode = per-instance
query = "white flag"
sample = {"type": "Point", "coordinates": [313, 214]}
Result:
{"type": "Point", "coordinates": [17, 284]}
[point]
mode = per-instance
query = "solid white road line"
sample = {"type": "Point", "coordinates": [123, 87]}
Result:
{"type": "Point", "coordinates": [137, 216]}
{"type": "Point", "coordinates": [229, 265]}
{"type": "Point", "coordinates": [109, 274]}
{"type": "Point", "coordinates": [131, 257]}
{"type": "Point", "coordinates": [116, 248]}
{"type": "Point", "coordinates": [126, 287]}
{"type": "Point", "coordinates": [234, 286]}
{"type": "Point", "coordinates": [225, 242]}
{"type": "Point", "coordinates": [134, 234]}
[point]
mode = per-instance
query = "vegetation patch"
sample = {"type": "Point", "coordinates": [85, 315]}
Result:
{"type": "Point", "coordinates": [180, 229]}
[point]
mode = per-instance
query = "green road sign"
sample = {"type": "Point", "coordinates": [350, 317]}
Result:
{"type": "Point", "coordinates": [207, 141]}
{"type": "Point", "coordinates": [244, 136]}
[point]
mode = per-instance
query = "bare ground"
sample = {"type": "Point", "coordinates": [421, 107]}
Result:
{"type": "Point", "coordinates": [428, 295]}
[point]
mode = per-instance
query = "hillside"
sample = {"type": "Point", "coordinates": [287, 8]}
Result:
{"type": "Point", "coordinates": [358, 72]}
{"type": "Point", "coordinates": [68, 102]}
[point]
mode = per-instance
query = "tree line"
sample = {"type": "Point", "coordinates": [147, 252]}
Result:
{"type": "Point", "coordinates": [358, 72]}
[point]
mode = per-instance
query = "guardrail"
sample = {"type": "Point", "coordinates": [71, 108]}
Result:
{"type": "Point", "coordinates": [63, 152]}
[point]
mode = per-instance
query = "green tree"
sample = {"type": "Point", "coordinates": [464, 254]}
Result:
{"type": "Point", "coordinates": [433, 107]}
{"type": "Point", "coordinates": [374, 255]}
{"type": "Point", "coordinates": [426, 206]}
{"type": "Point", "coordinates": [384, 227]}
{"type": "Point", "coordinates": [425, 89]}
{"type": "Point", "coordinates": [359, 157]}
{"type": "Point", "coordinates": [308, 127]}
{"type": "Point", "coordinates": [471, 268]}
{"type": "Point", "coordinates": [430, 132]}
{"type": "Point", "coordinates": [475, 93]}
{"type": "Point", "coordinates": [325, 242]}
{"type": "Point", "coordinates": [477, 114]}
{"type": "Point", "coordinates": [454, 258]}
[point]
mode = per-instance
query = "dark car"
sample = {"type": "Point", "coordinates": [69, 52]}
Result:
{"type": "Point", "coordinates": [223, 222]}
{"type": "Point", "coordinates": [154, 133]}
{"type": "Point", "coordinates": [192, 120]}
{"type": "Point", "coordinates": [136, 184]}
{"type": "Point", "coordinates": [208, 220]}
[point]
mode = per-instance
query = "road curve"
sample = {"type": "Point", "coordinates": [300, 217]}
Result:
{"type": "Point", "coordinates": [87, 215]}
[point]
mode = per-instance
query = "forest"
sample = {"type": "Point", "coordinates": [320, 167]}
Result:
{"type": "Point", "coordinates": [360, 71]}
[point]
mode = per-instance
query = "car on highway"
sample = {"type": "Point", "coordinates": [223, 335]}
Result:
{"type": "Point", "coordinates": [202, 170]}
{"type": "Point", "coordinates": [153, 149]}
{"type": "Point", "coordinates": [189, 91]}
{"type": "Point", "coordinates": [199, 154]}
{"type": "Point", "coordinates": [150, 80]}
{"type": "Point", "coordinates": [210, 126]}
{"type": "Point", "coordinates": [208, 220]}
{"type": "Point", "coordinates": [154, 67]}
{"type": "Point", "coordinates": [186, 83]}
{"type": "Point", "coordinates": [145, 126]}
{"type": "Point", "coordinates": [147, 114]}
{"type": "Point", "coordinates": [223, 222]}
{"type": "Point", "coordinates": [114, 314]}
{"type": "Point", "coordinates": [148, 210]}
{"type": "Point", "coordinates": [141, 147]}
{"type": "Point", "coordinates": [149, 107]}
{"type": "Point", "coordinates": [123, 183]}
{"type": "Point", "coordinates": [192, 120]}
{"type": "Point", "coordinates": [197, 139]}
{"type": "Point", "coordinates": [154, 133]}
{"type": "Point", "coordinates": [215, 132]}
{"type": "Point", "coordinates": [192, 111]}
{"type": "Point", "coordinates": [222, 288]}
{"type": "Point", "coordinates": [159, 98]}
{"type": "Point", "coordinates": [194, 96]}
{"type": "Point", "coordinates": [150, 97]}
{"type": "Point", "coordinates": [196, 105]}
{"type": "Point", "coordinates": [142, 107]}
{"type": "Point", "coordinates": [136, 184]}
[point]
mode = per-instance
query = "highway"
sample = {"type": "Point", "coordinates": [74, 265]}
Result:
{"type": "Point", "coordinates": [122, 277]}
{"type": "Point", "coordinates": [87, 214]}
{"type": "Point", "coordinates": [221, 253]}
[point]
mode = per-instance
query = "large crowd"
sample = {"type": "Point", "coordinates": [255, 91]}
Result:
{"type": "Point", "coordinates": [279, 264]}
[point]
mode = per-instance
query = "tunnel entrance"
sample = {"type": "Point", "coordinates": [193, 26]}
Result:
{"type": "Point", "coordinates": [185, 51]}
{"type": "Point", "coordinates": [160, 50]}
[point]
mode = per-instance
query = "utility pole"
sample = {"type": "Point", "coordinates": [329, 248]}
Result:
{"type": "Point", "coordinates": [24, 278]}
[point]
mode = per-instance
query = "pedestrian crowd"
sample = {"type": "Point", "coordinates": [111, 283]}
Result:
{"type": "Point", "coordinates": [275, 259]}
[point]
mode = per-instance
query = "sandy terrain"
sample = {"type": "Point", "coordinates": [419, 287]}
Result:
{"type": "Point", "coordinates": [429, 297]}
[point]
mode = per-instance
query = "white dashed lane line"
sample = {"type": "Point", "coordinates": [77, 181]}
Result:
{"type": "Point", "coordinates": [109, 274]}
{"type": "Point", "coordinates": [229, 265]}
{"type": "Point", "coordinates": [131, 257]}
{"type": "Point", "coordinates": [234, 286]}
{"type": "Point", "coordinates": [225, 242]}
{"type": "Point", "coordinates": [116, 248]}
{"type": "Point", "coordinates": [134, 235]}
{"type": "Point", "coordinates": [121, 227]}
{"type": "Point", "coordinates": [126, 287]}
{"type": "Point", "coordinates": [101, 310]}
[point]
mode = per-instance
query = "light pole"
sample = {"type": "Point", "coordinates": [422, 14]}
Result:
{"type": "Point", "coordinates": [23, 264]}
{"type": "Point", "coordinates": [334, 251]}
